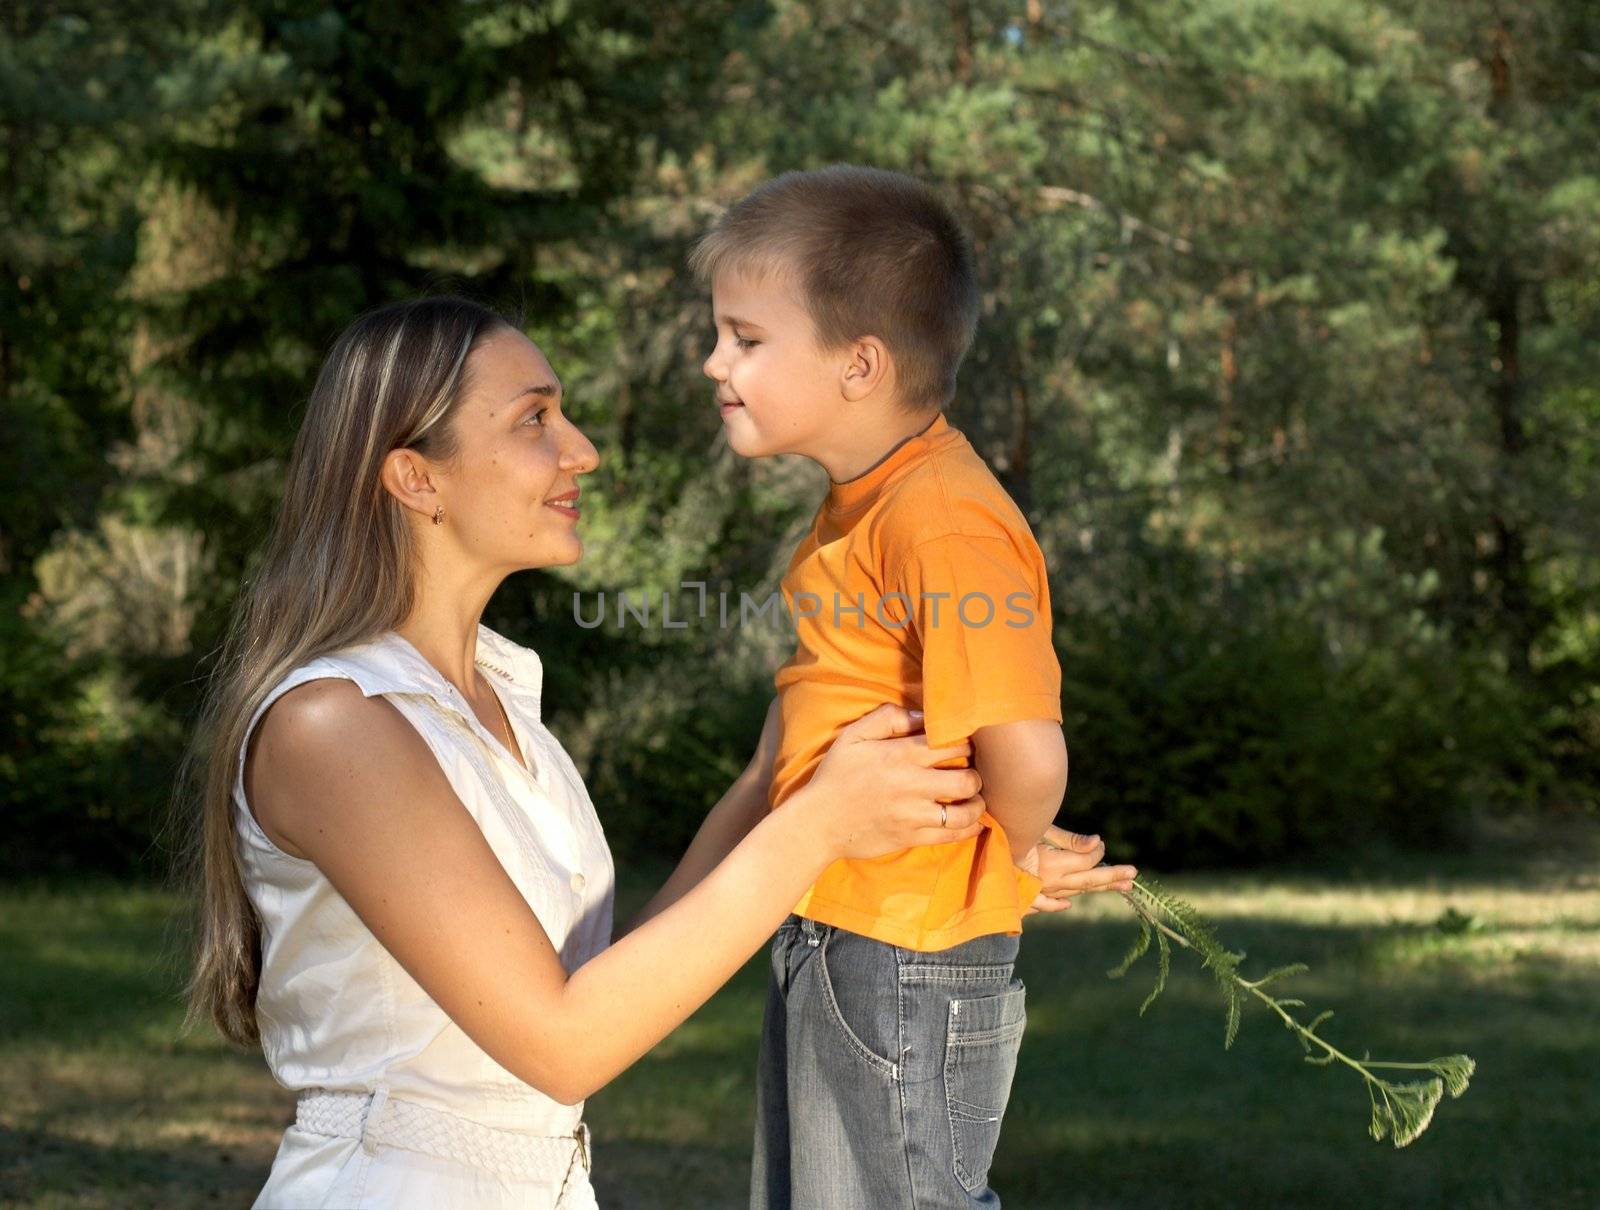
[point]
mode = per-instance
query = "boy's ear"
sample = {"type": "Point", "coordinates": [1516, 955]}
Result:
{"type": "Point", "coordinates": [868, 368]}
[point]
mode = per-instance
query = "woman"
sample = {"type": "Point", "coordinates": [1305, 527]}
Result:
{"type": "Point", "coordinates": [405, 893]}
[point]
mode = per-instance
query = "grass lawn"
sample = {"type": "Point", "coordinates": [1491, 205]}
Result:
{"type": "Point", "coordinates": [102, 1105]}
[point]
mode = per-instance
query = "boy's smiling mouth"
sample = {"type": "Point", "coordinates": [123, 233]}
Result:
{"type": "Point", "coordinates": [726, 405]}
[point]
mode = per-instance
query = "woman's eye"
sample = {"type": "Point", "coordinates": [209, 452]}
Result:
{"type": "Point", "coordinates": [537, 417]}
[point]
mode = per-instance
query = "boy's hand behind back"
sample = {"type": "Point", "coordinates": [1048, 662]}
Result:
{"type": "Point", "coordinates": [1070, 863]}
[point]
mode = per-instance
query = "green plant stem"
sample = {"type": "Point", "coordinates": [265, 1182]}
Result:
{"type": "Point", "coordinates": [1277, 1006]}
{"type": "Point", "coordinates": [1407, 1109]}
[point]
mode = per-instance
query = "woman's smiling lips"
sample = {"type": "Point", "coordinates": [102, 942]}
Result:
{"type": "Point", "coordinates": [566, 504]}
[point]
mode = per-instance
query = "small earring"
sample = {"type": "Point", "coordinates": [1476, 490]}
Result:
{"type": "Point", "coordinates": [438, 515]}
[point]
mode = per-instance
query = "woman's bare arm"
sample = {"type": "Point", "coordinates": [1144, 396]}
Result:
{"type": "Point", "coordinates": [350, 784]}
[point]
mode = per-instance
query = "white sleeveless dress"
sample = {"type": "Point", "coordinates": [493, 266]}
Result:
{"type": "Point", "coordinates": [337, 1013]}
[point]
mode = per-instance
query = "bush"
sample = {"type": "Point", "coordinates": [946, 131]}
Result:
{"type": "Point", "coordinates": [1212, 721]}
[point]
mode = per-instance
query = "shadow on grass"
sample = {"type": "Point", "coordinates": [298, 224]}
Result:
{"type": "Point", "coordinates": [42, 1167]}
{"type": "Point", "coordinates": [101, 1105]}
{"type": "Point", "coordinates": [632, 1175]}
{"type": "Point", "coordinates": [1114, 1109]}
{"type": "Point", "coordinates": [1111, 1109]}
{"type": "Point", "coordinates": [101, 962]}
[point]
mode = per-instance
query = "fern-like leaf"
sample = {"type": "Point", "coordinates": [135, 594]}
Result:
{"type": "Point", "coordinates": [1456, 1070]}
{"type": "Point", "coordinates": [1311, 1029]}
{"type": "Point", "coordinates": [1282, 972]}
{"type": "Point", "coordinates": [1161, 974]}
{"type": "Point", "coordinates": [1193, 926]}
{"type": "Point", "coordinates": [1235, 1006]}
{"type": "Point", "coordinates": [1135, 952]}
{"type": "Point", "coordinates": [1405, 1109]}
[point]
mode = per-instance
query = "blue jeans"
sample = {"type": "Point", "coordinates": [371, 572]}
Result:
{"type": "Point", "coordinates": [884, 1072]}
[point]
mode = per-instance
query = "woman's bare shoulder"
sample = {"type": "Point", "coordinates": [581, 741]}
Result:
{"type": "Point", "coordinates": [328, 716]}
{"type": "Point", "coordinates": [328, 706]}
{"type": "Point", "coordinates": [324, 743]}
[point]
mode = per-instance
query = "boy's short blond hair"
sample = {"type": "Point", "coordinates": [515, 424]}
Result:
{"type": "Point", "coordinates": [874, 253]}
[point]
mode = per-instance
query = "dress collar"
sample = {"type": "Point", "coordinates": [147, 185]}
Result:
{"type": "Point", "coordinates": [389, 663]}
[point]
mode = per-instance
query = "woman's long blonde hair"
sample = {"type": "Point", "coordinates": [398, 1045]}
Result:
{"type": "Point", "coordinates": [337, 568]}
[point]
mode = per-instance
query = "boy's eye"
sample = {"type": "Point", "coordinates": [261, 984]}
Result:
{"type": "Point", "coordinates": [743, 343]}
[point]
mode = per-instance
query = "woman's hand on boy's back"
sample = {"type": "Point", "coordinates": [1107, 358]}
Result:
{"type": "Point", "coordinates": [1070, 863]}
{"type": "Point", "coordinates": [877, 790]}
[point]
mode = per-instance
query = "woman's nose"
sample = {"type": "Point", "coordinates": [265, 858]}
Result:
{"type": "Point", "coordinates": [580, 455]}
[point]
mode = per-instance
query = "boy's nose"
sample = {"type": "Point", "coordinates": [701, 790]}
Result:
{"type": "Point", "coordinates": [711, 367]}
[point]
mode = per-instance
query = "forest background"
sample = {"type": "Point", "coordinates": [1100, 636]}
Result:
{"type": "Point", "coordinates": [1287, 351]}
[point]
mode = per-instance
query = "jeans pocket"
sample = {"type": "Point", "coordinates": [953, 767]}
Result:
{"type": "Point", "coordinates": [981, 1043]}
{"type": "Point", "coordinates": [862, 1004]}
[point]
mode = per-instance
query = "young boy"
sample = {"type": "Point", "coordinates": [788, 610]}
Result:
{"type": "Point", "coordinates": [844, 301]}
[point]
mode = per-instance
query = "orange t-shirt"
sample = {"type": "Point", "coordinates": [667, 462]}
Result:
{"type": "Point", "coordinates": [919, 584]}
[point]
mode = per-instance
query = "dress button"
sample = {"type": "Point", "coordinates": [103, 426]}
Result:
{"type": "Point", "coordinates": [578, 882]}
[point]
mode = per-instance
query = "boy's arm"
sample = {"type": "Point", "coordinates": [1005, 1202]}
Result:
{"type": "Point", "coordinates": [1024, 771]}
{"type": "Point", "coordinates": [725, 825]}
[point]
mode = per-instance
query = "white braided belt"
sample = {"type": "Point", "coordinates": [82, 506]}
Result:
{"type": "Point", "coordinates": [378, 1119]}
